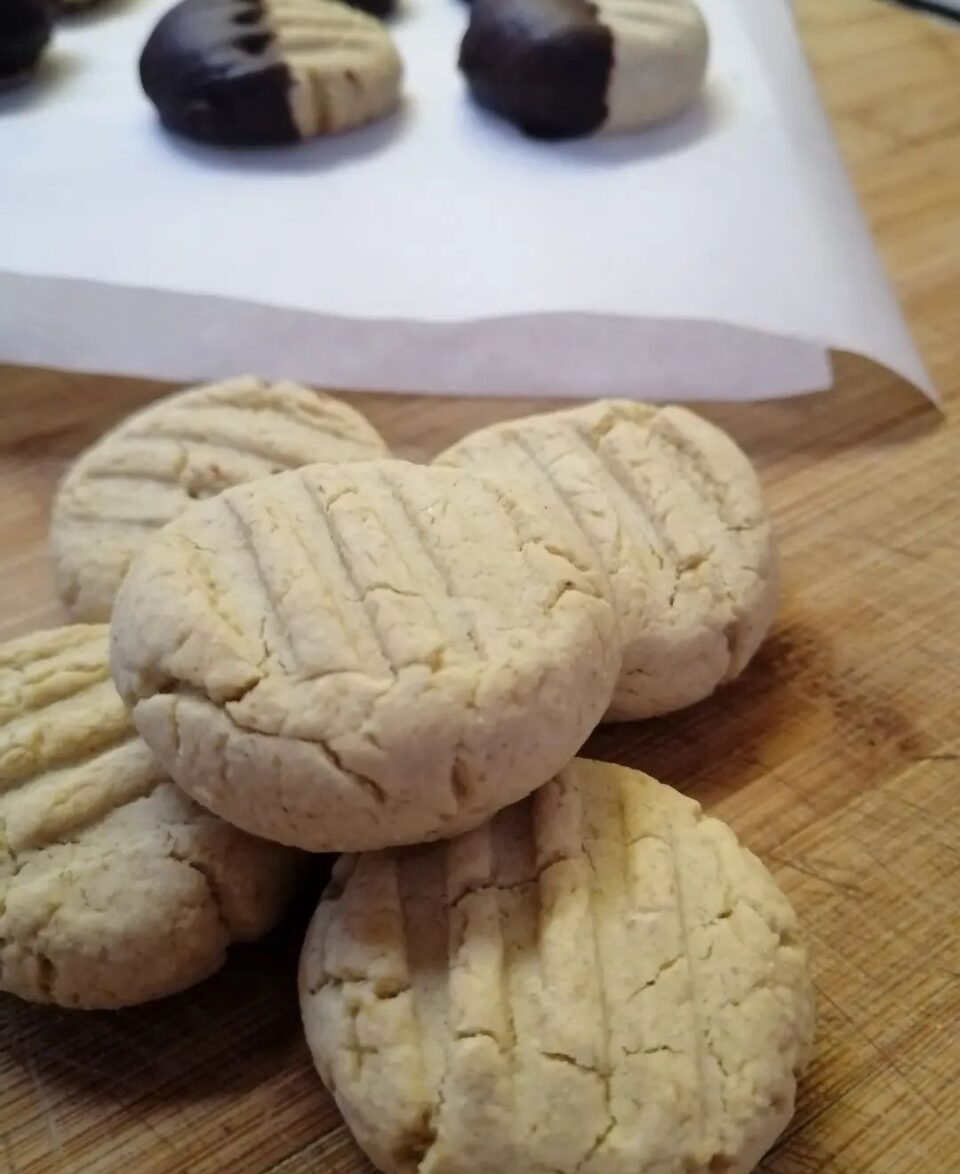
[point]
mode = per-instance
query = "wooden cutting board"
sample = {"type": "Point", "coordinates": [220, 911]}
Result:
{"type": "Point", "coordinates": [836, 758]}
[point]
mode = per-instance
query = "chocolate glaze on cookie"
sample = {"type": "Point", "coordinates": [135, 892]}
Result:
{"type": "Point", "coordinates": [543, 64]}
{"type": "Point", "coordinates": [25, 27]}
{"type": "Point", "coordinates": [211, 69]}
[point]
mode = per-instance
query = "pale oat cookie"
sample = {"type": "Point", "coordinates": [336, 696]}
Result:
{"type": "Point", "coordinates": [673, 511]}
{"type": "Point", "coordinates": [189, 445]}
{"type": "Point", "coordinates": [115, 888]}
{"type": "Point", "coordinates": [347, 657]}
{"type": "Point", "coordinates": [601, 980]}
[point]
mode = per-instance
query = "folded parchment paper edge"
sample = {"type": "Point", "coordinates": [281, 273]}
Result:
{"type": "Point", "coordinates": [73, 324]}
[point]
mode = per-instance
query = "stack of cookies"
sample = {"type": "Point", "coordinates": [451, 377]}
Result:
{"type": "Point", "coordinates": [527, 961]}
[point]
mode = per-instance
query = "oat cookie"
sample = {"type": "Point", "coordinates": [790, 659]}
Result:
{"type": "Point", "coordinates": [600, 980]}
{"type": "Point", "coordinates": [673, 510]}
{"type": "Point", "coordinates": [115, 888]}
{"type": "Point", "coordinates": [190, 445]}
{"type": "Point", "coordinates": [347, 657]}
{"type": "Point", "coordinates": [259, 72]}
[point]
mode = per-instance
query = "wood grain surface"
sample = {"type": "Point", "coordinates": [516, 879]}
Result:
{"type": "Point", "coordinates": [836, 757]}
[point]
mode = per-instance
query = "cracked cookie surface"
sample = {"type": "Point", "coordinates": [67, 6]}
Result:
{"type": "Point", "coordinates": [672, 509]}
{"type": "Point", "coordinates": [348, 657]}
{"type": "Point", "coordinates": [115, 887]}
{"type": "Point", "coordinates": [599, 980]}
{"type": "Point", "coordinates": [187, 446]}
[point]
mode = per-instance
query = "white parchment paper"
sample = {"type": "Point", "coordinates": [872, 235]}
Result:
{"type": "Point", "coordinates": [441, 251]}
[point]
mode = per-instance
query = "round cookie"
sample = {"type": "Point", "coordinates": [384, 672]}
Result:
{"type": "Point", "coordinates": [347, 657]}
{"type": "Point", "coordinates": [560, 69]}
{"type": "Point", "coordinates": [115, 888]}
{"type": "Point", "coordinates": [25, 28]}
{"type": "Point", "coordinates": [260, 72]}
{"type": "Point", "coordinates": [190, 445]}
{"type": "Point", "coordinates": [600, 980]}
{"type": "Point", "coordinates": [673, 510]}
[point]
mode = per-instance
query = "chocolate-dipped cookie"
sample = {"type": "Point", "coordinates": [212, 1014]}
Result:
{"type": "Point", "coordinates": [25, 27]}
{"type": "Point", "coordinates": [561, 69]}
{"type": "Point", "coordinates": [257, 72]}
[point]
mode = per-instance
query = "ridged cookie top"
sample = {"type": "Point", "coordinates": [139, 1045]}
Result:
{"type": "Point", "coordinates": [102, 858]}
{"type": "Point", "coordinates": [186, 447]}
{"type": "Point", "coordinates": [673, 510]}
{"type": "Point", "coordinates": [600, 980]}
{"type": "Point", "coordinates": [256, 72]}
{"type": "Point", "coordinates": [356, 655]}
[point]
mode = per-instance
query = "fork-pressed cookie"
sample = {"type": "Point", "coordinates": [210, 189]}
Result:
{"type": "Point", "coordinates": [600, 980]}
{"type": "Point", "coordinates": [260, 72]}
{"type": "Point", "coordinates": [672, 509]}
{"type": "Point", "coordinates": [346, 657]}
{"type": "Point", "coordinates": [187, 446]}
{"type": "Point", "coordinates": [115, 887]}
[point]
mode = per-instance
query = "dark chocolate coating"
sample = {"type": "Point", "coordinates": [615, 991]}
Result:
{"type": "Point", "coordinates": [70, 8]}
{"type": "Point", "coordinates": [25, 27]}
{"type": "Point", "coordinates": [379, 8]}
{"type": "Point", "coordinates": [543, 64]}
{"type": "Point", "coordinates": [210, 69]}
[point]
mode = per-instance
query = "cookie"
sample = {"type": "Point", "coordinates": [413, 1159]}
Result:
{"type": "Point", "coordinates": [601, 980]}
{"type": "Point", "coordinates": [187, 446]}
{"type": "Point", "coordinates": [347, 657]}
{"type": "Point", "coordinates": [673, 510]}
{"type": "Point", "coordinates": [115, 888]}
{"type": "Point", "coordinates": [25, 28]}
{"type": "Point", "coordinates": [560, 69]}
{"type": "Point", "coordinates": [260, 72]}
